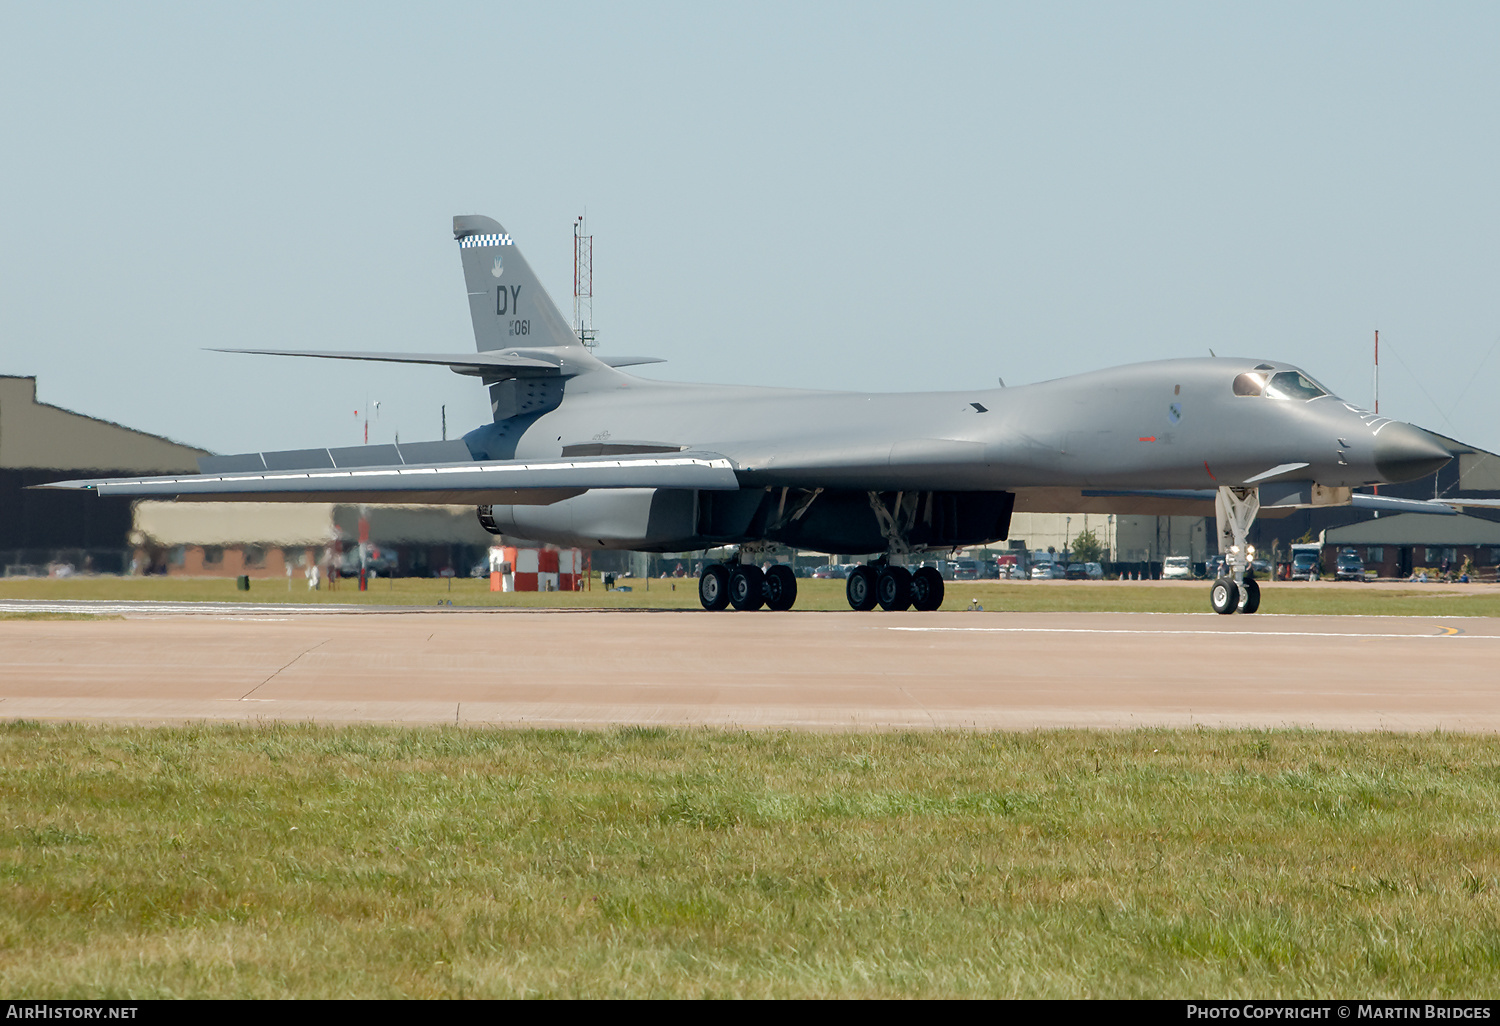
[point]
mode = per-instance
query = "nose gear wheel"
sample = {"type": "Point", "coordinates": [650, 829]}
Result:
{"type": "Point", "coordinates": [1225, 596]}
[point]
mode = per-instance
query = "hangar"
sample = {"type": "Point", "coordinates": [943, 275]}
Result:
{"type": "Point", "coordinates": [41, 443]}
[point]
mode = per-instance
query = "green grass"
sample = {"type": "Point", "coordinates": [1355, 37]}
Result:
{"type": "Point", "coordinates": [1013, 596]}
{"type": "Point", "coordinates": [384, 862]}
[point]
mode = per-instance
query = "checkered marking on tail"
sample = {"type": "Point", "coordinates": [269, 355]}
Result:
{"type": "Point", "coordinates": [476, 241]}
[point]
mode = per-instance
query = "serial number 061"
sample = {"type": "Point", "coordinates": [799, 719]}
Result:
{"type": "Point", "coordinates": [520, 327]}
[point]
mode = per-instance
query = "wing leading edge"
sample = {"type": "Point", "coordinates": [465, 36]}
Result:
{"type": "Point", "coordinates": [517, 482]}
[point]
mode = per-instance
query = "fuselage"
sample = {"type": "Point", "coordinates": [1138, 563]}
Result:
{"type": "Point", "coordinates": [1165, 424]}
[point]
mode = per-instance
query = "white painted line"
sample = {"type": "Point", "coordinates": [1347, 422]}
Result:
{"type": "Point", "coordinates": [1206, 633]}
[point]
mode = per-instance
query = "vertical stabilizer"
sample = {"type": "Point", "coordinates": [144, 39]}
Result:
{"type": "Point", "coordinates": [508, 304]}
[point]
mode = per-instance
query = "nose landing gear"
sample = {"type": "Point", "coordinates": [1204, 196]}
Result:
{"type": "Point", "coordinates": [1237, 590]}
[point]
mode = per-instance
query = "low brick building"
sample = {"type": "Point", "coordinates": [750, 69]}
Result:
{"type": "Point", "coordinates": [1396, 546]}
{"type": "Point", "coordinates": [260, 539]}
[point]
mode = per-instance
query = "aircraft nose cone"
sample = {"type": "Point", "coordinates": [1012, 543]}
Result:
{"type": "Point", "coordinates": [1405, 453]}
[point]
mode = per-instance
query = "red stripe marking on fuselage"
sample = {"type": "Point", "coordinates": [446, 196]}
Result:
{"type": "Point", "coordinates": [1151, 438]}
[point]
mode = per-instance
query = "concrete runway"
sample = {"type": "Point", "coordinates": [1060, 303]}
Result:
{"type": "Point", "coordinates": [827, 671]}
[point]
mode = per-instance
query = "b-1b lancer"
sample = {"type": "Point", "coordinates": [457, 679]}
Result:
{"type": "Point", "coordinates": [581, 453]}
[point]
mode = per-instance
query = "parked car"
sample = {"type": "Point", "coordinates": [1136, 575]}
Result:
{"type": "Point", "coordinates": [1348, 566]}
{"type": "Point", "coordinates": [966, 570]}
{"type": "Point", "coordinates": [1176, 568]}
{"type": "Point", "coordinates": [1048, 570]}
{"type": "Point", "coordinates": [1305, 566]}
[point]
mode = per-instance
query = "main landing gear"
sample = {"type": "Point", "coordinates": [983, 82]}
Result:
{"type": "Point", "coordinates": [1236, 591]}
{"type": "Point", "coordinates": [889, 586]}
{"type": "Point", "coordinates": [893, 588]}
{"type": "Point", "coordinates": [880, 583]}
{"type": "Point", "coordinates": [746, 586]}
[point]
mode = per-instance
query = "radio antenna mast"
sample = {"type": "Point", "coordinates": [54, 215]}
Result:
{"type": "Point", "coordinates": [583, 284]}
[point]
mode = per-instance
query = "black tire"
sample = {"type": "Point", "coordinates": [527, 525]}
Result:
{"type": "Point", "coordinates": [859, 589]}
{"type": "Point", "coordinates": [713, 586]}
{"type": "Point", "coordinates": [747, 587]}
{"type": "Point", "coordinates": [893, 589]}
{"type": "Point", "coordinates": [927, 589]}
{"type": "Point", "coordinates": [781, 587]}
{"type": "Point", "coordinates": [1249, 596]}
{"type": "Point", "coordinates": [1224, 596]}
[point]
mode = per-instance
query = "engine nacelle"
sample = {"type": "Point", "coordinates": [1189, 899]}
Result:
{"type": "Point", "coordinates": [644, 519]}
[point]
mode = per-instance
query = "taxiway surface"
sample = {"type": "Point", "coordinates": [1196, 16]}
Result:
{"type": "Point", "coordinates": [755, 670]}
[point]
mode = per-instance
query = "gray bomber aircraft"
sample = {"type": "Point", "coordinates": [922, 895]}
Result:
{"type": "Point", "coordinates": [580, 453]}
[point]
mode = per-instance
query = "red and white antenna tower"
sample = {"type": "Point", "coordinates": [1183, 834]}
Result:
{"type": "Point", "coordinates": [1377, 391]}
{"type": "Point", "coordinates": [583, 284]}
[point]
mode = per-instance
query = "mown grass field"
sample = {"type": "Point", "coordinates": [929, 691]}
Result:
{"type": "Point", "coordinates": [385, 862]}
{"type": "Point", "coordinates": [994, 596]}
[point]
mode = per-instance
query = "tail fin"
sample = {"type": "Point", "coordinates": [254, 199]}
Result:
{"type": "Point", "coordinates": [509, 306]}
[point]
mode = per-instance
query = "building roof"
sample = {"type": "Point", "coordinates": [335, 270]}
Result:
{"type": "Point", "coordinates": [1417, 529]}
{"type": "Point", "coordinates": [35, 435]}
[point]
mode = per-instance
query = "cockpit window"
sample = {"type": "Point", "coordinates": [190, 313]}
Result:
{"type": "Point", "coordinates": [1294, 385]}
{"type": "Point", "coordinates": [1249, 383]}
{"type": "Point", "coordinates": [1281, 385]}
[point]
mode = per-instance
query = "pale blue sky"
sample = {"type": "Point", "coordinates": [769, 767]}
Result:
{"type": "Point", "coordinates": [862, 196]}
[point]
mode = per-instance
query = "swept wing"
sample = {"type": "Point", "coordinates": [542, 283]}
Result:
{"type": "Point", "coordinates": [516, 482]}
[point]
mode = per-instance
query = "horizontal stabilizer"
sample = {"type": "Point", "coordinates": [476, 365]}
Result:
{"type": "Point", "coordinates": [516, 482]}
{"type": "Point", "coordinates": [1275, 503]}
{"type": "Point", "coordinates": [1460, 503]}
{"type": "Point", "coordinates": [1395, 504]}
{"type": "Point", "coordinates": [492, 364]}
{"type": "Point", "coordinates": [629, 361]}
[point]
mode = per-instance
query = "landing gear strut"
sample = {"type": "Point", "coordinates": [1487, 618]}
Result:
{"type": "Point", "coordinates": [1237, 590]}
